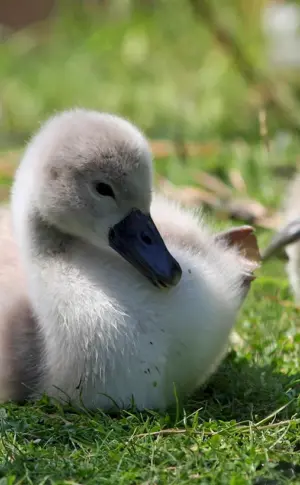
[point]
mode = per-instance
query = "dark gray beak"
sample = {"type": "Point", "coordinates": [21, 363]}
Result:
{"type": "Point", "coordinates": [136, 239]}
{"type": "Point", "coordinates": [287, 235]}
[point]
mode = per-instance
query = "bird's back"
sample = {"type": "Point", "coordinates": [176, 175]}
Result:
{"type": "Point", "coordinates": [20, 347]}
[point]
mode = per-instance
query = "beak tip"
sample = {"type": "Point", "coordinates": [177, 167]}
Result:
{"type": "Point", "coordinates": [176, 274]}
{"type": "Point", "coordinates": [170, 281]}
{"type": "Point", "coordinates": [138, 241]}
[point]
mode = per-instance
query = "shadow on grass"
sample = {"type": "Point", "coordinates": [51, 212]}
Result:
{"type": "Point", "coordinates": [44, 440]}
{"type": "Point", "coordinates": [241, 390]}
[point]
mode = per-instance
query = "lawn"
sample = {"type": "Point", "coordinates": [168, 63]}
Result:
{"type": "Point", "coordinates": [176, 83]}
{"type": "Point", "coordinates": [243, 427]}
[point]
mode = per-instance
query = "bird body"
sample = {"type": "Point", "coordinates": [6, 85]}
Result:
{"type": "Point", "coordinates": [102, 303]}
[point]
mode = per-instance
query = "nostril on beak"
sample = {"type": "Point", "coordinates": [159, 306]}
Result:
{"type": "Point", "coordinates": [146, 239]}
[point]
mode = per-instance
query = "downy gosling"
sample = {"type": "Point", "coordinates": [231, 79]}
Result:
{"type": "Point", "coordinates": [111, 296]}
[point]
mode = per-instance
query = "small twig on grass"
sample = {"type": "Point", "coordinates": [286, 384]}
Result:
{"type": "Point", "coordinates": [238, 429]}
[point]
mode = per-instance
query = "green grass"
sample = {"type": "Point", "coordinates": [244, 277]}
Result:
{"type": "Point", "coordinates": [243, 427]}
{"type": "Point", "coordinates": [173, 80]}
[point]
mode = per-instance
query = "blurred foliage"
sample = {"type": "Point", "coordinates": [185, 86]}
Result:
{"type": "Point", "coordinates": [161, 67]}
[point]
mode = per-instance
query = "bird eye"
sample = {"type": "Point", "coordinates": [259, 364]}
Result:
{"type": "Point", "coordinates": [104, 189]}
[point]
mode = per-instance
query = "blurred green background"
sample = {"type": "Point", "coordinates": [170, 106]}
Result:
{"type": "Point", "coordinates": [194, 69]}
{"type": "Point", "coordinates": [182, 70]}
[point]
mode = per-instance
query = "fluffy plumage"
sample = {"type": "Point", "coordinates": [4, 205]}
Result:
{"type": "Point", "coordinates": [79, 322]}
